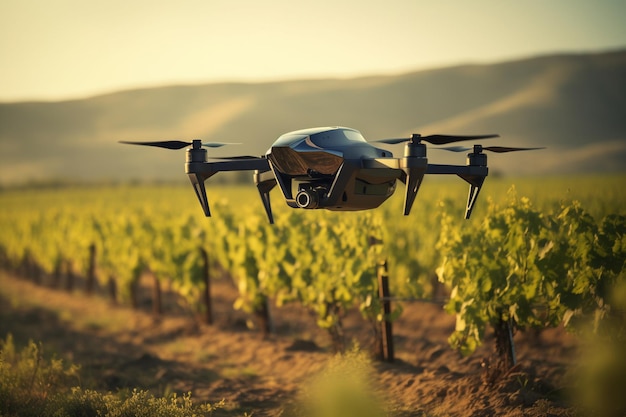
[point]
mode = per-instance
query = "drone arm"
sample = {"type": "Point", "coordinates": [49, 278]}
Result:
{"type": "Point", "coordinates": [472, 174]}
{"type": "Point", "coordinates": [211, 168]}
{"type": "Point", "coordinates": [200, 171]}
{"type": "Point", "coordinates": [197, 181]}
{"type": "Point", "coordinates": [457, 169]}
{"type": "Point", "coordinates": [476, 183]}
{"type": "Point", "coordinates": [265, 182]}
{"type": "Point", "coordinates": [413, 170]}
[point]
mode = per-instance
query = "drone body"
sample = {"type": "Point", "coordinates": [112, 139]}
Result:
{"type": "Point", "coordinates": [325, 167]}
{"type": "Point", "coordinates": [335, 168]}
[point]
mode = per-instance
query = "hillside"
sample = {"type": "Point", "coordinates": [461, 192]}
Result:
{"type": "Point", "coordinates": [573, 104]}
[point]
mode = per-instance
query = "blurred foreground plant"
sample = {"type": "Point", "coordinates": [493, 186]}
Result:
{"type": "Point", "coordinates": [601, 373]}
{"type": "Point", "coordinates": [343, 389]}
{"type": "Point", "coordinates": [28, 381]}
{"type": "Point", "coordinates": [31, 385]}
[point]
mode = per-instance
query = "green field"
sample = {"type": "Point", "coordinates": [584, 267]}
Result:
{"type": "Point", "coordinates": [537, 253]}
{"type": "Point", "coordinates": [161, 227]}
{"type": "Point", "coordinates": [52, 224]}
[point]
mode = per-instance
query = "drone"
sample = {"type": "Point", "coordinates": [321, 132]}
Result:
{"type": "Point", "coordinates": [335, 168]}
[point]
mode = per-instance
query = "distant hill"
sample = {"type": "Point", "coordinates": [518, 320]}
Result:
{"type": "Point", "coordinates": [573, 104]}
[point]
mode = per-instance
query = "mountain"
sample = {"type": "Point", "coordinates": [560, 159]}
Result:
{"type": "Point", "coordinates": [575, 105]}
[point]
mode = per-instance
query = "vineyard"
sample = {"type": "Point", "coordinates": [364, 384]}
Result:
{"type": "Point", "coordinates": [535, 255]}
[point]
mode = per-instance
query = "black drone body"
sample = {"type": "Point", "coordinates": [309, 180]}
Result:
{"type": "Point", "coordinates": [335, 168]}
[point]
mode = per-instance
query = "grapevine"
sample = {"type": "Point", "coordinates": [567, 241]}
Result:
{"type": "Point", "coordinates": [521, 268]}
{"type": "Point", "coordinates": [513, 263]}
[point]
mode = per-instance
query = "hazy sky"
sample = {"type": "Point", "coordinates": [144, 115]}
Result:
{"type": "Point", "coordinates": [56, 49]}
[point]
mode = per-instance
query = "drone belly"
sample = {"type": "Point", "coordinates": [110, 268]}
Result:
{"type": "Point", "coordinates": [367, 189]}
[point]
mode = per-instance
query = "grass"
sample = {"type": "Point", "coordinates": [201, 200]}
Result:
{"type": "Point", "coordinates": [33, 385]}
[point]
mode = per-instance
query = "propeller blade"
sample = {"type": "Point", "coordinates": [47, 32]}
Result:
{"type": "Point", "coordinates": [393, 141]}
{"type": "Point", "coordinates": [445, 139]}
{"type": "Point", "coordinates": [177, 144]}
{"type": "Point", "coordinates": [167, 144]}
{"type": "Point", "coordinates": [236, 158]}
{"type": "Point", "coordinates": [502, 149]}
{"type": "Point", "coordinates": [437, 139]}
{"type": "Point", "coordinates": [455, 148]}
{"type": "Point", "coordinates": [217, 144]}
{"type": "Point", "coordinates": [497, 149]}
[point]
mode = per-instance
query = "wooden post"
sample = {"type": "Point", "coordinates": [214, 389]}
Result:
{"type": "Point", "coordinates": [208, 313]}
{"type": "Point", "coordinates": [157, 305]}
{"type": "Point", "coordinates": [386, 327]}
{"type": "Point", "coordinates": [33, 269]}
{"type": "Point", "coordinates": [36, 273]}
{"type": "Point", "coordinates": [262, 312]}
{"type": "Point", "coordinates": [69, 276]}
{"type": "Point", "coordinates": [91, 270]}
{"type": "Point", "coordinates": [56, 275]}
{"type": "Point", "coordinates": [112, 289]}
{"type": "Point", "coordinates": [133, 288]}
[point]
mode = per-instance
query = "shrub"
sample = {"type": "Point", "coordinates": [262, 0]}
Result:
{"type": "Point", "coordinates": [30, 385]}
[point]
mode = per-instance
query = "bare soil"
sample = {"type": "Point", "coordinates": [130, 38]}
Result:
{"type": "Point", "coordinates": [119, 347]}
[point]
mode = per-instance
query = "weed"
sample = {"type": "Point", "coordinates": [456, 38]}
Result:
{"type": "Point", "coordinates": [31, 385]}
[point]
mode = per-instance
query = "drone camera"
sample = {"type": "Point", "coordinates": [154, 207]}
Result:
{"type": "Point", "coordinates": [307, 199]}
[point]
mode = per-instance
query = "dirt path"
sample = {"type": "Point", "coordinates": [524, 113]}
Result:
{"type": "Point", "coordinates": [122, 348]}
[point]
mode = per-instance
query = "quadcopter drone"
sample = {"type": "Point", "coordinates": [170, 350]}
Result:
{"type": "Point", "coordinates": [335, 168]}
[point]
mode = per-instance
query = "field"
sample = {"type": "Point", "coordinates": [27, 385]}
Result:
{"type": "Point", "coordinates": [145, 235]}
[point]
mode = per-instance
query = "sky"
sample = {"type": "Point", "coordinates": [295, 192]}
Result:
{"type": "Point", "coordinates": [65, 49]}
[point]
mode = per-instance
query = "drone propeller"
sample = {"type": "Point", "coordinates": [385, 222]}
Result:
{"type": "Point", "coordinates": [435, 139]}
{"type": "Point", "coordinates": [236, 158]}
{"type": "Point", "coordinates": [496, 149]}
{"type": "Point", "coordinates": [454, 148]}
{"type": "Point", "coordinates": [177, 144]}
